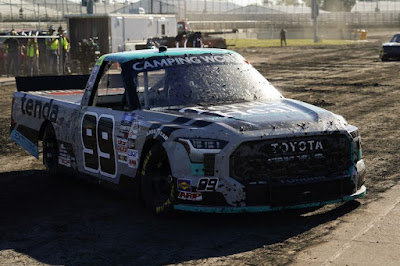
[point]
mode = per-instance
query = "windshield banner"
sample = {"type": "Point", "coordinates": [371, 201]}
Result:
{"type": "Point", "coordinates": [163, 62]}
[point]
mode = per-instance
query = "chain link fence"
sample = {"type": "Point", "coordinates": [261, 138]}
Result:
{"type": "Point", "coordinates": [364, 13]}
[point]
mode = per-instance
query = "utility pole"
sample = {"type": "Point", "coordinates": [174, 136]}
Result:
{"type": "Point", "coordinates": [314, 16]}
{"type": "Point", "coordinates": [11, 10]}
{"type": "Point", "coordinates": [38, 13]}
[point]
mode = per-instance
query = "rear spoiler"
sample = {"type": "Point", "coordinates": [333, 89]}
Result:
{"type": "Point", "coordinates": [46, 83]}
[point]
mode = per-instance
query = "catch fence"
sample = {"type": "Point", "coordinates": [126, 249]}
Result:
{"type": "Point", "coordinates": [376, 13]}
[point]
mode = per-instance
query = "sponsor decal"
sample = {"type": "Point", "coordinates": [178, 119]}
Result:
{"type": "Point", "coordinates": [38, 109]}
{"type": "Point", "coordinates": [125, 126]}
{"type": "Point", "coordinates": [63, 157]}
{"type": "Point", "coordinates": [131, 144]}
{"type": "Point", "coordinates": [133, 131]}
{"type": "Point", "coordinates": [122, 149]}
{"type": "Point", "coordinates": [193, 196]}
{"type": "Point", "coordinates": [184, 185]}
{"type": "Point", "coordinates": [121, 142]}
{"type": "Point", "coordinates": [123, 158]}
{"type": "Point", "coordinates": [187, 60]}
{"type": "Point", "coordinates": [25, 143]}
{"type": "Point", "coordinates": [296, 146]}
{"type": "Point", "coordinates": [65, 161]}
{"type": "Point", "coordinates": [133, 158]}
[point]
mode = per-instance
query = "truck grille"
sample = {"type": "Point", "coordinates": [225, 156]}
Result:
{"type": "Point", "coordinates": [291, 160]}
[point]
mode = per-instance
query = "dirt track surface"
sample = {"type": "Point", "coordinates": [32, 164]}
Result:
{"type": "Point", "coordinates": [44, 220]}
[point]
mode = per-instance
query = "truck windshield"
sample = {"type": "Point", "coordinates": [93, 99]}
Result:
{"type": "Point", "coordinates": [204, 80]}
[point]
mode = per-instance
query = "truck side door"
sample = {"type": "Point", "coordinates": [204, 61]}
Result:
{"type": "Point", "coordinates": [101, 150]}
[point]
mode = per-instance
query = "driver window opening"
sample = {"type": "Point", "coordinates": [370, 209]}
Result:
{"type": "Point", "coordinates": [111, 89]}
{"type": "Point", "coordinates": [152, 88]}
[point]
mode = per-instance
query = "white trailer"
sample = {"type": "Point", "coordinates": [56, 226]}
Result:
{"type": "Point", "coordinates": [119, 32]}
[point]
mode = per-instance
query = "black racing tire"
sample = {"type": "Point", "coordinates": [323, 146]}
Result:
{"type": "Point", "coordinates": [157, 184]}
{"type": "Point", "coordinates": [384, 58]}
{"type": "Point", "coordinates": [50, 150]}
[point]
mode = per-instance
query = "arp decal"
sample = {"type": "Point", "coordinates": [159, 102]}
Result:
{"type": "Point", "coordinates": [184, 185]}
{"type": "Point", "coordinates": [98, 144]}
{"type": "Point", "coordinates": [193, 196]}
{"type": "Point", "coordinates": [207, 184]}
{"type": "Point", "coordinates": [38, 109]}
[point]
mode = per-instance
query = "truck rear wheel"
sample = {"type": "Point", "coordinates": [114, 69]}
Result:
{"type": "Point", "coordinates": [158, 189]}
{"type": "Point", "coordinates": [50, 150]}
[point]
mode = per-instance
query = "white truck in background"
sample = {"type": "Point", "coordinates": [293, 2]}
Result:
{"type": "Point", "coordinates": [119, 32]}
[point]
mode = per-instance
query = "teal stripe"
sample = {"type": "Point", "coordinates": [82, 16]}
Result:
{"type": "Point", "coordinates": [127, 56]}
{"type": "Point", "coordinates": [197, 169]}
{"type": "Point", "coordinates": [255, 209]}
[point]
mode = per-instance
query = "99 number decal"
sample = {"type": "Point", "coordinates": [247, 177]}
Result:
{"type": "Point", "coordinates": [207, 184]}
{"type": "Point", "coordinates": [98, 144]}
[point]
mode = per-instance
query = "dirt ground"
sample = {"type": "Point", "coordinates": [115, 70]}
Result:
{"type": "Point", "coordinates": [44, 220]}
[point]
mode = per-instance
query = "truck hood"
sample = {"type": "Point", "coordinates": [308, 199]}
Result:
{"type": "Point", "coordinates": [279, 114]}
{"type": "Point", "coordinates": [391, 44]}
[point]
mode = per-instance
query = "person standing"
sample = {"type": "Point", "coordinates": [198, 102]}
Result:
{"type": "Point", "coordinates": [197, 40]}
{"type": "Point", "coordinates": [179, 38]}
{"type": "Point", "coordinates": [32, 50]}
{"type": "Point", "coordinates": [13, 51]}
{"type": "Point", "coordinates": [65, 46]}
{"type": "Point", "coordinates": [283, 37]}
{"type": "Point", "coordinates": [52, 52]}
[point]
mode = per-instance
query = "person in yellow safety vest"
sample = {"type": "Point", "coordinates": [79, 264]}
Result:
{"type": "Point", "coordinates": [13, 50]}
{"type": "Point", "coordinates": [53, 61]}
{"type": "Point", "coordinates": [65, 46]}
{"type": "Point", "coordinates": [32, 51]}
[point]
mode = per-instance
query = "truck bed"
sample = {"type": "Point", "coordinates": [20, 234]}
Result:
{"type": "Point", "coordinates": [70, 96]}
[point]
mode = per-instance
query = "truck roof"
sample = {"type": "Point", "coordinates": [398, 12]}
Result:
{"type": "Point", "coordinates": [123, 57]}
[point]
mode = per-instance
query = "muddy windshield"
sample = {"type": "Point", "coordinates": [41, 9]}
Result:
{"type": "Point", "coordinates": [395, 38]}
{"type": "Point", "coordinates": [205, 79]}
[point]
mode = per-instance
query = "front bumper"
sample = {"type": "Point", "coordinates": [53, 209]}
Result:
{"type": "Point", "coordinates": [255, 209]}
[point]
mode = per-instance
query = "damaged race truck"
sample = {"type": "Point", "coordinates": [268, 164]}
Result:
{"type": "Point", "coordinates": [194, 129]}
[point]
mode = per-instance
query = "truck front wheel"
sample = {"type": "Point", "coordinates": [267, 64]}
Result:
{"type": "Point", "coordinates": [50, 150]}
{"type": "Point", "coordinates": [158, 189]}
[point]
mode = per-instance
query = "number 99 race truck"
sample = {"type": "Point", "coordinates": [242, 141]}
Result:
{"type": "Point", "coordinates": [200, 130]}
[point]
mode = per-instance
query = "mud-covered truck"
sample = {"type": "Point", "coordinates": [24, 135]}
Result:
{"type": "Point", "coordinates": [198, 130]}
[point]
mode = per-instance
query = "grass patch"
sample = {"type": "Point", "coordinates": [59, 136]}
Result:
{"type": "Point", "coordinates": [246, 43]}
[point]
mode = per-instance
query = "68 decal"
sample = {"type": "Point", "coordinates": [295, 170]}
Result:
{"type": "Point", "coordinates": [98, 144]}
